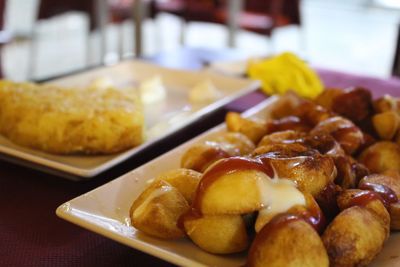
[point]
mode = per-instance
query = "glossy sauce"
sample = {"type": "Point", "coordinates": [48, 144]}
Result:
{"type": "Point", "coordinates": [386, 194]}
{"type": "Point", "coordinates": [209, 156]}
{"type": "Point", "coordinates": [227, 166]}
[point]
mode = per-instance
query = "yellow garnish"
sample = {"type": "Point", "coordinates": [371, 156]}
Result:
{"type": "Point", "coordinates": [285, 72]}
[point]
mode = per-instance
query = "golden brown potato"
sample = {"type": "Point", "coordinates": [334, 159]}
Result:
{"type": "Point", "coordinates": [325, 99]}
{"type": "Point", "coordinates": [286, 105]}
{"type": "Point", "coordinates": [224, 145]}
{"type": "Point", "coordinates": [343, 130]}
{"type": "Point", "coordinates": [381, 156]}
{"type": "Point", "coordinates": [281, 137]}
{"type": "Point", "coordinates": [238, 142]}
{"type": "Point", "coordinates": [199, 156]}
{"type": "Point", "coordinates": [287, 241]}
{"type": "Point", "coordinates": [367, 199]}
{"type": "Point", "coordinates": [354, 237]}
{"type": "Point", "coordinates": [386, 103]}
{"type": "Point", "coordinates": [389, 190]}
{"type": "Point", "coordinates": [287, 123]}
{"type": "Point", "coordinates": [185, 180]}
{"type": "Point", "coordinates": [312, 114]}
{"type": "Point", "coordinates": [310, 170]}
{"type": "Point", "coordinates": [386, 124]}
{"type": "Point", "coordinates": [220, 234]}
{"type": "Point", "coordinates": [253, 129]}
{"type": "Point", "coordinates": [157, 209]}
{"type": "Point", "coordinates": [241, 186]}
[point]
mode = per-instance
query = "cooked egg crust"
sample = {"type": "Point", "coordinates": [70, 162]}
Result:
{"type": "Point", "coordinates": [70, 120]}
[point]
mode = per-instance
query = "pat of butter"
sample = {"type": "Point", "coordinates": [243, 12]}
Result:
{"type": "Point", "coordinates": [204, 93]}
{"type": "Point", "coordinates": [152, 90]}
{"type": "Point", "coordinates": [278, 195]}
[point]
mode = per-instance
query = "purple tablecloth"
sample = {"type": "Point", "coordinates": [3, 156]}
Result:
{"type": "Point", "coordinates": [32, 235]}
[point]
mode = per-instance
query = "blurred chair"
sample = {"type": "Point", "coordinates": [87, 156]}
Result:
{"type": "Point", "coordinates": [263, 17]}
{"type": "Point", "coordinates": [50, 8]}
{"type": "Point", "coordinates": [187, 10]}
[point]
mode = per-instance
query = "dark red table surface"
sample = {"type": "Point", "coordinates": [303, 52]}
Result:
{"type": "Point", "coordinates": [32, 235]}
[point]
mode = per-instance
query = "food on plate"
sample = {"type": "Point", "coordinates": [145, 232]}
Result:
{"type": "Point", "coordinates": [70, 120]}
{"type": "Point", "coordinates": [388, 187]}
{"type": "Point", "coordinates": [185, 180]}
{"type": "Point", "coordinates": [287, 241]}
{"type": "Point", "coordinates": [381, 156]}
{"type": "Point", "coordinates": [204, 93]}
{"type": "Point", "coordinates": [157, 209]}
{"type": "Point", "coordinates": [253, 129]}
{"type": "Point", "coordinates": [240, 185]}
{"type": "Point", "coordinates": [220, 234]}
{"type": "Point", "coordinates": [299, 164]}
{"type": "Point", "coordinates": [316, 186]}
{"type": "Point", "coordinates": [386, 124]}
{"type": "Point", "coordinates": [285, 72]}
{"type": "Point", "coordinates": [357, 234]}
{"type": "Point", "coordinates": [349, 136]}
{"type": "Point", "coordinates": [152, 90]}
{"type": "Point", "coordinates": [201, 155]}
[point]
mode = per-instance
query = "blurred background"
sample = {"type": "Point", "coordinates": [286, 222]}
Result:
{"type": "Point", "coordinates": [41, 40]}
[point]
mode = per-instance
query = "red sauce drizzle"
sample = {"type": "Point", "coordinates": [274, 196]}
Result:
{"type": "Point", "coordinates": [388, 196]}
{"type": "Point", "coordinates": [227, 166]}
{"type": "Point", "coordinates": [209, 156]}
{"type": "Point", "coordinates": [363, 198]}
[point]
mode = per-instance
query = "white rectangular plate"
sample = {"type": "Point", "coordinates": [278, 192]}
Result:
{"type": "Point", "coordinates": [162, 118]}
{"type": "Point", "coordinates": [105, 211]}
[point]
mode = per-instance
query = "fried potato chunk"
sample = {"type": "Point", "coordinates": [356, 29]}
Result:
{"type": "Point", "coordinates": [310, 170]}
{"type": "Point", "coordinates": [386, 124]}
{"type": "Point", "coordinates": [220, 234]}
{"type": "Point", "coordinates": [253, 129]}
{"type": "Point", "coordinates": [381, 156]}
{"type": "Point", "coordinates": [287, 241]}
{"type": "Point", "coordinates": [157, 209]}
{"type": "Point", "coordinates": [354, 237]}
{"type": "Point", "coordinates": [343, 130]}
{"type": "Point", "coordinates": [185, 180]}
{"type": "Point", "coordinates": [201, 155]}
{"type": "Point", "coordinates": [241, 185]}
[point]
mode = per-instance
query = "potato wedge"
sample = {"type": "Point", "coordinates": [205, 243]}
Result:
{"type": "Point", "coordinates": [220, 234]}
{"type": "Point", "coordinates": [240, 186]}
{"type": "Point", "coordinates": [354, 237]}
{"type": "Point", "coordinates": [349, 136]}
{"type": "Point", "coordinates": [381, 156]}
{"type": "Point", "coordinates": [157, 209]}
{"type": "Point", "coordinates": [200, 156]}
{"type": "Point", "coordinates": [253, 129]}
{"type": "Point", "coordinates": [185, 180]}
{"type": "Point", "coordinates": [386, 124]}
{"type": "Point", "coordinates": [287, 241]}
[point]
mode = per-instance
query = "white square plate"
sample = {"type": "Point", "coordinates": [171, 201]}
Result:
{"type": "Point", "coordinates": [105, 211]}
{"type": "Point", "coordinates": [162, 119]}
